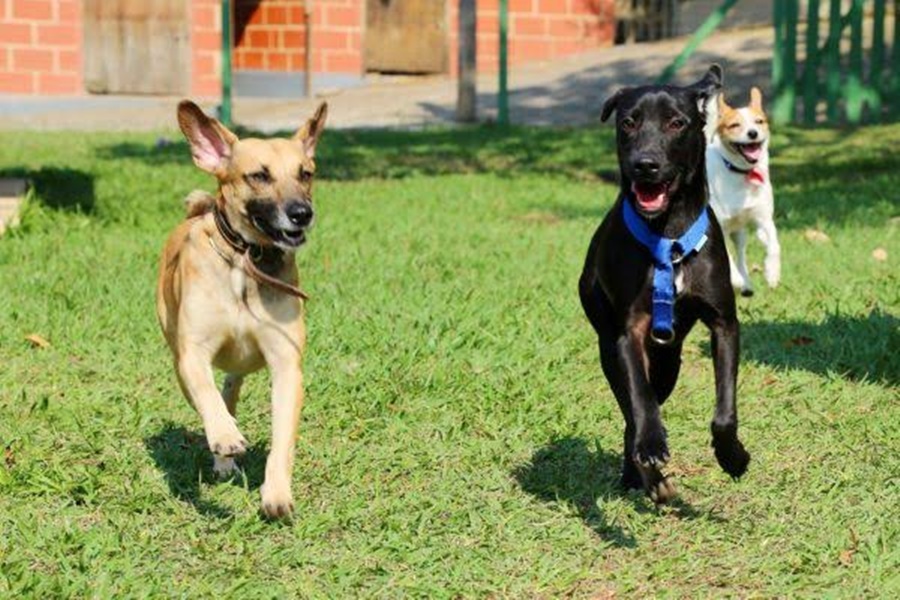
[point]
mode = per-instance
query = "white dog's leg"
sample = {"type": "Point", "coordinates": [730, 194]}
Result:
{"type": "Point", "coordinates": [740, 276]}
{"type": "Point", "coordinates": [768, 235]}
{"type": "Point", "coordinates": [287, 401]}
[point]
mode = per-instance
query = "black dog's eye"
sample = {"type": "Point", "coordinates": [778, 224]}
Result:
{"type": "Point", "coordinates": [677, 124]}
{"type": "Point", "coordinates": [259, 177]}
{"type": "Point", "coordinates": [305, 176]}
{"type": "Point", "coordinates": [629, 124]}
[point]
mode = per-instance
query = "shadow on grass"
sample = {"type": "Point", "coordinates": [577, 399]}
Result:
{"type": "Point", "coordinates": [186, 461]}
{"type": "Point", "coordinates": [58, 188]}
{"type": "Point", "coordinates": [566, 471]}
{"type": "Point", "coordinates": [348, 155]}
{"type": "Point", "coordinates": [858, 348]}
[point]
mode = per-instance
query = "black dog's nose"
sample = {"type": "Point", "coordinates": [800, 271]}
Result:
{"type": "Point", "coordinates": [299, 213]}
{"type": "Point", "coordinates": [646, 166]}
{"type": "Point", "coordinates": [753, 134]}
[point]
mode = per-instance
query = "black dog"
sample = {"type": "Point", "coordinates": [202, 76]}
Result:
{"type": "Point", "coordinates": [655, 266]}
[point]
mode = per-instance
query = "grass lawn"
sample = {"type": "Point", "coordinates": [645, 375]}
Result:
{"type": "Point", "coordinates": [458, 438]}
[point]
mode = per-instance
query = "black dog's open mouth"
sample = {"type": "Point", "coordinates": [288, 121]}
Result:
{"type": "Point", "coordinates": [751, 151]}
{"type": "Point", "coordinates": [288, 237]}
{"type": "Point", "coordinates": [651, 198]}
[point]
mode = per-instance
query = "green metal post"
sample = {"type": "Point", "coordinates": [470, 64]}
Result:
{"type": "Point", "coordinates": [703, 32]}
{"type": "Point", "coordinates": [895, 62]}
{"type": "Point", "coordinates": [833, 61]}
{"type": "Point", "coordinates": [785, 76]}
{"type": "Point", "coordinates": [811, 67]}
{"type": "Point", "coordinates": [503, 93]}
{"type": "Point", "coordinates": [225, 111]}
{"type": "Point", "coordinates": [854, 94]}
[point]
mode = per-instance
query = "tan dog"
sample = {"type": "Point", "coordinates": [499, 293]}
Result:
{"type": "Point", "coordinates": [227, 296]}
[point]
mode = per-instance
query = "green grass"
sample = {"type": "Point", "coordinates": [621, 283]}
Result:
{"type": "Point", "coordinates": [459, 438]}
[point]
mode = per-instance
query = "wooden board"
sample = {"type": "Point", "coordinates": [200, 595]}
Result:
{"type": "Point", "coordinates": [136, 46]}
{"type": "Point", "coordinates": [406, 36]}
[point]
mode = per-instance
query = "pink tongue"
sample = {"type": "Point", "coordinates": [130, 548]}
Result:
{"type": "Point", "coordinates": [650, 197]}
{"type": "Point", "coordinates": [752, 152]}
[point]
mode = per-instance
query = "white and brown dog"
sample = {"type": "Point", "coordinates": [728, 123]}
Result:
{"type": "Point", "coordinates": [227, 293]}
{"type": "Point", "coordinates": [740, 190]}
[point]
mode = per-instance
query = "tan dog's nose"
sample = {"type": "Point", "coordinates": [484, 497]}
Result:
{"type": "Point", "coordinates": [299, 213]}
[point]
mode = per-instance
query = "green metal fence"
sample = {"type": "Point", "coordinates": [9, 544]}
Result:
{"type": "Point", "coordinates": [847, 72]}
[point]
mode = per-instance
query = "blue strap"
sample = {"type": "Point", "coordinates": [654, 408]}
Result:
{"type": "Point", "coordinates": [666, 254]}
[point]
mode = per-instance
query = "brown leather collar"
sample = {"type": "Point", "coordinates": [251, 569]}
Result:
{"type": "Point", "coordinates": [250, 254]}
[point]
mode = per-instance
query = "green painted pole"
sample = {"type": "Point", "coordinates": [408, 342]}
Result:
{"type": "Point", "coordinates": [811, 66]}
{"type": "Point", "coordinates": [785, 77]}
{"type": "Point", "coordinates": [833, 62]}
{"type": "Point", "coordinates": [876, 70]}
{"type": "Point", "coordinates": [225, 109]}
{"type": "Point", "coordinates": [854, 93]}
{"type": "Point", "coordinates": [895, 62]}
{"type": "Point", "coordinates": [706, 28]}
{"type": "Point", "coordinates": [777, 55]}
{"type": "Point", "coordinates": [503, 93]}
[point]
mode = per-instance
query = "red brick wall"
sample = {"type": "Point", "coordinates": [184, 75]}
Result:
{"type": "Point", "coordinates": [270, 35]}
{"type": "Point", "coordinates": [40, 47]}
{"type": "Point", "coordinates": [538, 30]}
{"type": "Point", "coordinates": [40, 40]}
{"type": "Point", "coordinates": [206, 47]}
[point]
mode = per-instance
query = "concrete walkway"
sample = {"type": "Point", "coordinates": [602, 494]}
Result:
{"type": "Point", "coordinates": [563, 92]}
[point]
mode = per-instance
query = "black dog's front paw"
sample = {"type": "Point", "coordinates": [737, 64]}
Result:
{"type": "Point", "coordinates": [729, 450]}
{"type": "Point", "coordinates": [651, 449]}
{"type": "Point", "coordinates": [631, 478]}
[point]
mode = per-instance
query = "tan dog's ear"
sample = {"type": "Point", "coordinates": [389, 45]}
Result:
{"type": "Point", "coordinates": [756, 102]}
{"type": "Point", "coordinates": [309, 134]}
{"type": "Point", "coordinates": [210, 141]}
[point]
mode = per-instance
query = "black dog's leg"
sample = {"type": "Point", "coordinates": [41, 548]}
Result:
{"type": "Point", "coordinates": [730, 453]}
{"type": "Point", "coordinates": [650, 450]}
{"type": "Point", "coordinates": [665, 363]}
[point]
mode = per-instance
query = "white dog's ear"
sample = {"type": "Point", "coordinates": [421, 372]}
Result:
{"type": "Point", "coordinates": [709, 110]}
{"type": "Point", "coordinates": [210, 141]}
{"type": "Point", "coordinates": [756, 100]}
{"type": "Point", "coordinates": [309, 134]}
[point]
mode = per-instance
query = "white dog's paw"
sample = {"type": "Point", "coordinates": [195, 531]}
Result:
{"type": "Point", "coordinates": [225, 440]}
{"type": "Point", "coordinates": [772, 271]}
{"type": "Point", "coordinates": [277, 502]}
{"type": "Point", "coordinates": [224, 467]}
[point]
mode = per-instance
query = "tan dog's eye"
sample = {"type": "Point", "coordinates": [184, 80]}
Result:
{"type": "Point", "coordinates": [305, 176]}
{"type": "Point", "coordinates": [733, 126]}
{"type": "Point", "coordinates": [259, 177]}
{"type": "Point", "coordinates": [760, 121]}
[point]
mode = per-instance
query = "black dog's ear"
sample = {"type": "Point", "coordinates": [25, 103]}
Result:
{"type": "Point", "coordinates": [711, 83]}
{"type": "Point", "coordinates": [610, 105]}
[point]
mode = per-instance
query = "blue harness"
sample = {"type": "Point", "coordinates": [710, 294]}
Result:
{"type": "Point", "coordinates": [666, 254]}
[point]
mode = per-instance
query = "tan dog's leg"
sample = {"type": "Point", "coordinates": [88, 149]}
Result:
{"type": "Point", "coordinates": [231, 391]}
{"type": "Point", "coordinates": [196, 378]}
{"type": "Point", "coordinates": [287, 401]}
{"type": "Point", "coordinates": [740, 275]}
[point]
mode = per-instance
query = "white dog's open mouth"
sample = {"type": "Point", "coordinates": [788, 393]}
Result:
{"type": "Point", "coordinates": [751, 152]}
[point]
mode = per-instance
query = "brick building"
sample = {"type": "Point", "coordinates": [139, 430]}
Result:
{"type": "Point", "coordinates": [174, 46]}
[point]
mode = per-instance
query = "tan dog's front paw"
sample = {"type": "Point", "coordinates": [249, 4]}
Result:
{"type": "Point", "coordinates": [224, 467]}
{"type": "Point", "coordinates": [277, 502]}
{"type": "Point", "coordinates": [226, 442]}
